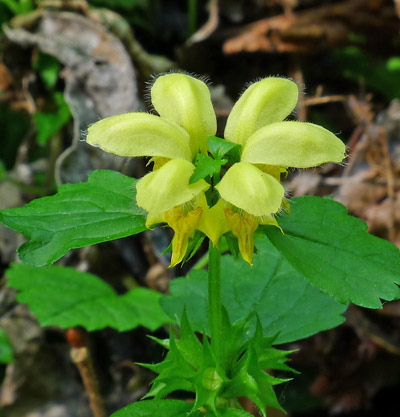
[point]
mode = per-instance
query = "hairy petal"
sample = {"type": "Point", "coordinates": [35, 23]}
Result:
{"type": "Point", "coordinates": [186, 101]}
{"type": "Point", "coordinates": [293, 144]}
{"type": "Point", "coordinates": [140, 134]}
{"type": "Point", "coordinates": [267, 101]}
{"type": "Point", "coordinates": [250, 189]}
{"type": "Point", "coordinates": [168, 187]}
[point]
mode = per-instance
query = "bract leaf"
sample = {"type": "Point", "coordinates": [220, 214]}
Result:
{"type": "Point", "coordinates": [205, 166]}
{"type": "Point", "coordinates": [284, 302]}
{"type": "Point", "coordinates": [101, 209]}
{"type": "Point", "coordinates": [220, 147]}
{"type": "Point", "coordinates": [334, 252]}
{"type": "Point", "coordinates": [64, 297]}
{"type": "Point", "coordinates": [151, 408]}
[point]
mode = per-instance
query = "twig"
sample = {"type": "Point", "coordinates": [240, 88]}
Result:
{"type": "Point", "coordinates": [81, 357]}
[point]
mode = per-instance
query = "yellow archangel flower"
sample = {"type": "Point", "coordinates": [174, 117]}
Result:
{"type": "Point", "coordinates": [250, 190]}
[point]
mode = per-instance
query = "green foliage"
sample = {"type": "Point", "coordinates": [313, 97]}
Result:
{"type": "Point", "coordinates": [221, 147]}
{"type": "Point", "coordinates": [48, 68]}
{"type": "Point", "coordinates": [19, 6]}
{"type": "Point", "coordinates": [218, 378]}
{"type": "Point", "coordinates": [334, 252]}
{"type": "Point", "coordinates": [99, 210]}
{"type": "Point", "coordinates": [206, 167]}
{"type": "Point", "coordinates": [152, 408]}
{"type": "Point", "coordinates": [383, 77]}
{"type": "Point", "coordinates": [13, 128]}
{"type": "Point", "coordinates": [6, 351]}
{"type": "Point", "coordinates": [49, 123]}
{"type": "Point", "coordinates": [64, 297]}
{"type": "Point", "coordinates": [284, 302]}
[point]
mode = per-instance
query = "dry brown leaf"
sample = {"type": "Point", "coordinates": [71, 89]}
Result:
{"type": "Point", "coordinates": [313, 29]}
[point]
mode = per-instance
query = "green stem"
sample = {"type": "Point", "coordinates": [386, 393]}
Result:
{"type": "Point", "coordinates": [214, 296]}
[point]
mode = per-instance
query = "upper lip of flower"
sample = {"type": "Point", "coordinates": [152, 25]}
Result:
{"type": "Point", "coordinates": [187, 119]}
{"type": "Point", "coordinates": [256, 123]}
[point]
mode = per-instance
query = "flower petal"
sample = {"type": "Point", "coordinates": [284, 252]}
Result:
{"type": "Point", "coordinates": [248, 188]}
{"type": "Point", "coordinates": [186, 101]}
{"type": "Point", "coordinates": [213, 222]}
{"type": "Point", "coordinates": [243, 227]}
{"type": "Point", "coordinates": [168, 187]}
{"type": "Point", "coordinates": [293, 144]}
{"type": "Point", "coordinates": [184, 226]}
{"type": "Point", "coordinates": [267, 101]}
{"type": "Point", "coordinates": [140, 134]}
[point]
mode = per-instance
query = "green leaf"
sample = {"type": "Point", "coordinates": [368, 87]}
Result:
{"type": "Point", "coordinates": [64, 297]}
{"type": "Point", "coordinates": [234, 412]}
{"type": "Point", "coordinates": [152, 408]}
{"type": "Point", "coordinates": [334, 252]}
{"type": "Point", "coordinates": [101, 209]}
{"type": "Point", "coordinates": [357, 65]}
{"type": "Point", "coordinates": [19, 6]}
{"type": "Point", "coordinates": [205, 166]}
{"type": "Point", "coordinates": [48, 68]}
{"type": "Point", "coordinates": [6, 350]}
{"type": "Point", "coordinates": [282, 299]}
{"type": "Point", "coordinates": [220, 147]}
{"type": "Point", "coordinates": [49, 123]}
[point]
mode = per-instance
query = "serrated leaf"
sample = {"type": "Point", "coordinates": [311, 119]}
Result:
{"type": "Point", "coordinates": [101, 209]}
{"type": "Point", "coordinates": [152, 408]}
{"type": "Point", "coordinates": [205, 166]}
{"type": "Point", "coordinates": [284, 302]}
{"type": "Point", "coordinates": [6, 350]}
{"type": "Point", "coordinates": [233, 412]}
{"type": "Point", "coordinates": [334, 252]}
{"type": "Point", "coordinates": [64, 297]}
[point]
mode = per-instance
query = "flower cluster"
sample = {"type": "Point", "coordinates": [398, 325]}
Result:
{"type": "Point", "coordinates": [250, 191]}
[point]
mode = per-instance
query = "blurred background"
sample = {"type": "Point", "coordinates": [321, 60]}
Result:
{"type": "Point", "coordinates": [67, 63]}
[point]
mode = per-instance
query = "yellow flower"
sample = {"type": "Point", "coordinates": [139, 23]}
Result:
{"type": "Point", "coordinates": [269, 146]}
{"type": "Point", "coordinates": [172, 139]}
{"type": "Point", "coordinates": [250, 190]}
